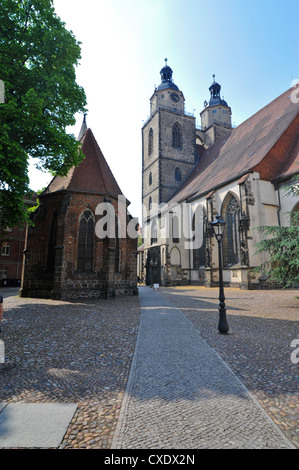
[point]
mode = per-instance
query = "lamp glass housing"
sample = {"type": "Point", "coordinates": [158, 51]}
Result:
{"type": "Point", "coordinates": [218, 226]}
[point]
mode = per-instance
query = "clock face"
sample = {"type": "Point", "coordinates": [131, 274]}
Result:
{"type": "Point", "coordinates": [175, 97]}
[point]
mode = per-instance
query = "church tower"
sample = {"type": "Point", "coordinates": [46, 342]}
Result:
{"type": "Point", "coordinates": [168, 143]}
{"type": "Point", "coordinates": [215, 117]}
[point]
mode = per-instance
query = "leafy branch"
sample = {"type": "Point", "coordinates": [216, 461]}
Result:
{"type": "Point", "coordinates": [282, 245]}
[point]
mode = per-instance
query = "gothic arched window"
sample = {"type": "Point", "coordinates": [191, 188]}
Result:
{"type": "Point", "coordinates": [154, 232]}
{"type": "Point", "coordinates": [175, 256]}
{"type": "Point", "coordinates": [176, 137]}
{"type": "Point", "coordinates": [175, 228]}
{"type": "Point", "coordinates": [150, 179]}
{"type": "Point", "coordinates": [85, 242]}
{"type": "Point", "coordinates": [150, 203]}
{"type": "Point", "coordinates": [178, 174]}
{"type": "Point", "coordinates": [150, 141]}
{"type": "Point", "coordinates": [231, 239]}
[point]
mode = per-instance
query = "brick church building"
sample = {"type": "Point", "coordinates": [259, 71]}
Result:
{"type": "Point", "coordinates": [66, 257]}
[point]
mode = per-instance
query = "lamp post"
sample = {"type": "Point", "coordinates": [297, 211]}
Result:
{"type": "Point", "coordinates": [218, 226]}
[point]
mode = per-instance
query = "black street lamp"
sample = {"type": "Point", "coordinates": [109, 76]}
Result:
{"type": "Point", "coordinates": [218, 226]}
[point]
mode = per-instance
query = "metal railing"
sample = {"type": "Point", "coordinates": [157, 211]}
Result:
{"type": "Point", "coordinates": [168, 108]}
{"type": "Point", "coordinates": [185, 113]}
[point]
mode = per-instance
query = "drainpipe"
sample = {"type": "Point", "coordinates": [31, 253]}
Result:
{"type": "Point", "coordinates": [279, 205]}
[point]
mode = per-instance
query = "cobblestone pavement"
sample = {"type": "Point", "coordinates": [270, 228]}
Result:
{"type": "Point", "coordinates": [258, 349]}
{"type": "Point", "coordinates": [68, 352]}
{"type": "Point", "coordinates": [182, 395]}
{"type": "Point", "coordinates": [81, 353]}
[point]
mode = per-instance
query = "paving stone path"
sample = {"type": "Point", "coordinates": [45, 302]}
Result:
{"type": "Point", "coordinates": [62, 352]}
{"type": "Point", "coordinates": [182, 395]}
{"type": "Point", "coordinates": [263, 326]}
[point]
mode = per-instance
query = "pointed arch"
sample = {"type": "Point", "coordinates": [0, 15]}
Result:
{"type": "Point", "coordinates": [231, 213]}
{"type": "Point", "coordinates": [176, 136]}
{"type": "Point", "coordinates": [154, 232]}
{"type": "Point", "coordinates": [85, 241]}
{"type": "Point", "coordinates": [177, 174]}
{"type": "Point", "coordinates": [199, 229]}
{"type": "Point", "coordinates": [150, 141]}
{"type": "Point", "coordinates": [175, 257]}
{"type": "Point", "coordinates": [176, 232]}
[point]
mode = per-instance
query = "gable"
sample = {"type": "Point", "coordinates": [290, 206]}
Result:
{"type": "Point", "coordinates": [92, 175]}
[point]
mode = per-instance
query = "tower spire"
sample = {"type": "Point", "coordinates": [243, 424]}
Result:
{"type": "Point", "coordinates": [83, 128]}
{"type": "Point", "coordinates": [220, 114]}
{"type": "Point", "coordinates": [166, 77]}
{"type": "Point", "coordinates": [215, 90]}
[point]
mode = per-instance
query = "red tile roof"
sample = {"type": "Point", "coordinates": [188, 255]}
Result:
{"type": "Point", "coordinates": [267, 142]}
{"type": "Point", "coordinates": [92, 175]}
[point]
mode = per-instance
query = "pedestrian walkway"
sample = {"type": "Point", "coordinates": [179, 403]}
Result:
{"type": "Point", "coordinates": [182, 395]}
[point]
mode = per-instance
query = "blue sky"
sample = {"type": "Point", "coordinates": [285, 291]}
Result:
{"type": "Point", "coordinates": [251, 46]}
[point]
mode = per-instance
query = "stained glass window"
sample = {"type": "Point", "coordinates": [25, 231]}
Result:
{"type": "Point", "coordinates": [85, 243]}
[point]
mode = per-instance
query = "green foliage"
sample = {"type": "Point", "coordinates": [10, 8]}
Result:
{"type": "Point", "coordinates": [38, 57]}
{"type": "Point", "coordinates": [282, 244]}
{"type": "Point", "coordinates": [32, 209]}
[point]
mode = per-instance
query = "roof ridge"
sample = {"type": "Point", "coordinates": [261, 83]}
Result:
{"type": "Point", "coordinates": [241, 150]}
{"type": "Point", "coordinates": [92, 174]}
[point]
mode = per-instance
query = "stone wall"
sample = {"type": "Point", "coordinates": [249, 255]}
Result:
{"type": "Point", "coordinates": [172, 158]}
{"type": "Point", "coordinates": [164, 159]}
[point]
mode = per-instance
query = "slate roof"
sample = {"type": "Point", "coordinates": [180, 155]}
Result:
{"type": "Point", "coordinates": [92, 175]}
{"type": "Point", "coordinates": [267, 142]}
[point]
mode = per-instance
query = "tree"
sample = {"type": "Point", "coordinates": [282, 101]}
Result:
{"type": "Point", "coordinates": [282, 244]}
{"type": "Point", "coordinates": [38, 56]}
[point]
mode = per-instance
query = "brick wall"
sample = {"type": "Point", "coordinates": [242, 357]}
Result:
{"type": "Point", "coordinates": [11, 263]}
{"type": "Point", "coordinates": [65, 281]}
